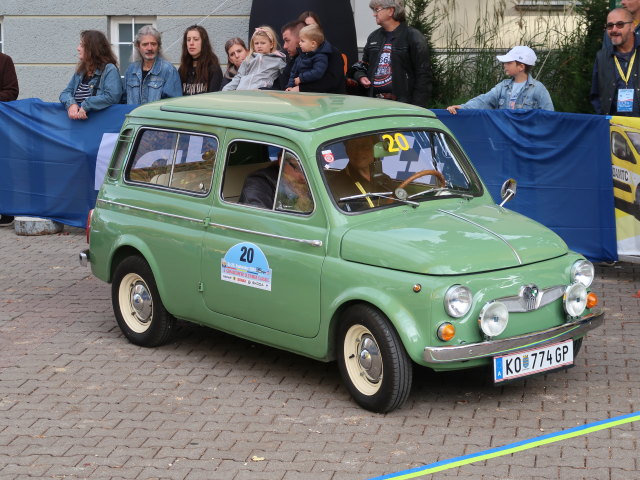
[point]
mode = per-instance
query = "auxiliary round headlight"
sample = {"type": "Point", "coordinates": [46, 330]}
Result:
{"type": "Point", "coordinates": [494, 317]}
{"type": "Point", "coordinates": [582, 271]}
{"type": "Point", "coordinates": [575, 299]}
{"type": "Point", "coordinates": [457, 301]}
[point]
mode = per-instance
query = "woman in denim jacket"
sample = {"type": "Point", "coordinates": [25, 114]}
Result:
{"type": "Point", "coordinates": [96, 83]}
{"type": "Point", "coordinates": [521, 92]}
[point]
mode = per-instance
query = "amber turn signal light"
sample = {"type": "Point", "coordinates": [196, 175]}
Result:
{"type": "Point", "coordinates": [446, 332]}
{"type": "Point", "coordinates": [592, 300]}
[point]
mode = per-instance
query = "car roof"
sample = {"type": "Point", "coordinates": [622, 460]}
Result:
{"type": "Point", "coordinates": [298, 111]}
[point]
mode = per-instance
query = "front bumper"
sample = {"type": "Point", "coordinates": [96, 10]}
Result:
{"type": "Point", "coordinates": [491, 348]}
{"type": "Point", "coordinates": [83, 258]}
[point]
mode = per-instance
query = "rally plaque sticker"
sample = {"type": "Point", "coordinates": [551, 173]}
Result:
{"type": "Point", "coordinates": [245, 264]}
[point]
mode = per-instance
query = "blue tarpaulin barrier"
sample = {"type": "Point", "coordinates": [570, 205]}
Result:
{"type": "Point", "coordinates": [562, 163]}
{"type": "Point", "coordinates": [48, 162]}
{"type": "Point", "coordinates": [49, 167]}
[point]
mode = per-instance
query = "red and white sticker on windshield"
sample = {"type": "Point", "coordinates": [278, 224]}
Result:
{"type": "Point", "coordinates": [328, 156]}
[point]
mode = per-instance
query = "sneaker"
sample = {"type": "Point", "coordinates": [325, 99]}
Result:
{"type": "Point", "coordinates": [6, 220]}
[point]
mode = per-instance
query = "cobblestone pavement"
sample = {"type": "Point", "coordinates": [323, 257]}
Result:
{"type": "Point", "coordinates": [78, 401]}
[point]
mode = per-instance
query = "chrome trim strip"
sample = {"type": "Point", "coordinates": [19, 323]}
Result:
{"type": "Point", "coordinates": [148, 210]}
{"type": "Point", "coordinates": [517, 304]}
{"type": "Point", "coordinates": [458, 353]}
{"type": "Point", "coordinates": [313, 243]}
{"type": "Point", "coordinates": [485, 229]}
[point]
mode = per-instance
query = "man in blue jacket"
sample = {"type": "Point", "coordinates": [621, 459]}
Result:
{"type": "Point", "coordinates": [151, 77]}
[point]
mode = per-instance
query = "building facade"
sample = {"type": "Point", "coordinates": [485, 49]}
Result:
{"type": "Point", "coordinates": [42, 35]}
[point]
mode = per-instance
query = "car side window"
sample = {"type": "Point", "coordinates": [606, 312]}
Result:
{"type": "Point", "coordinates": [293, 194]}
{"type": "Point", "coordinates": [266, 176]}
{"type": "Point", "coordinates": [120, 152]}
{"type": "Point", "coordinates": [175, 160]}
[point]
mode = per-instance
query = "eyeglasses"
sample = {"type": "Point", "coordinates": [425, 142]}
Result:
{"type": "Point", "coordinates": [618, 25]}
{"type": "Point", "coordinates": [377, 10]}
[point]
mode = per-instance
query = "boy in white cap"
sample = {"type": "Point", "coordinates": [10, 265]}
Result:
{"type": "Point", "coordinates": [521, 92]}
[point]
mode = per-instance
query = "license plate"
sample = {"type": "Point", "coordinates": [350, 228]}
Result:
{"type": "Point", "coordinates": [530, 362]}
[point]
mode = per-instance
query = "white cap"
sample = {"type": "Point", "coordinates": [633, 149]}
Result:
{"type": "Point", "coordinates": [520, 54]}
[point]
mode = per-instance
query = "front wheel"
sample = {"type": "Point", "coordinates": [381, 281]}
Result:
{"type": "Point", "coordinates": [138, 308]}
{"type": "Point", "coordinates": [373, 363]}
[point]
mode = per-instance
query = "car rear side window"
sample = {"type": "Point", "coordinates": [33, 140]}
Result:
{"type": "Point", "coordinates": [173, 160]}
{"type": "Point", "coordinates": [122, 145]}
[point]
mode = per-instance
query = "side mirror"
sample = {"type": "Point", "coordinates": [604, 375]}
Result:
{"type": "Point", "coordinates": [508, 190]}
{"type": "Point", "coordinates": [381, 149]}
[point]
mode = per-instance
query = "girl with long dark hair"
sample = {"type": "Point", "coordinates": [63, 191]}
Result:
{"type": "Point", "coordinates": [199, 70]}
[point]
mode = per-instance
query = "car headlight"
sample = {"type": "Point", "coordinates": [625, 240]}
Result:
{"type": "Point", "coordinates": [582, 271]}
{"type": "Point", "coordinates": [457, 301]}
{"type": "Point", "coordinates": [575, 299]}
{"type": "Point", "coordinates": [493, 319]}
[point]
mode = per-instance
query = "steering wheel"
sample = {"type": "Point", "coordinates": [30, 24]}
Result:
{"type": "Point", "coordinates": [442, 182]}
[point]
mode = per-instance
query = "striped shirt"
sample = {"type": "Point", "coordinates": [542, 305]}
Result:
{"type": "Point", "coordinates": [83, 91]}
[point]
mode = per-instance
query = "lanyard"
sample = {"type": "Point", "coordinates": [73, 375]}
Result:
{"type": "Point", "coordinates": [625, 78]}
{"type": "Point", "coordinates": [364, 192]}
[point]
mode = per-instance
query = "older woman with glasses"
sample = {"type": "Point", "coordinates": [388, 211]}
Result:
{"type": "Point", "coordinates": [395, 61]}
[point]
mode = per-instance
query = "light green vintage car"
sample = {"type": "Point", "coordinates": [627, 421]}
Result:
{"type": "Point", "coordinates": [340, 228]}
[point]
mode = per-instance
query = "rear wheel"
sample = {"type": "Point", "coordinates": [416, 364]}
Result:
{"type": "Point", "coordinates": [373, 363]}
{"type": "Point", "coordinates": [137, 305]}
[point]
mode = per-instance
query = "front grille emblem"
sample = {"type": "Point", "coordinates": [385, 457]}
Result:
{"type": "Point", "coordinates": [529, 295]}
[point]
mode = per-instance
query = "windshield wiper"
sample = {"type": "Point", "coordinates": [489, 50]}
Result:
{"type": "Point", "coordinates": [447, 190]}
{"type": "Point", "coordinates": [385, 195]}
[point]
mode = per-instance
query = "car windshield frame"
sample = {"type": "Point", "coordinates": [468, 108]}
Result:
{"type": "Point", "coordinates": [354, 194]}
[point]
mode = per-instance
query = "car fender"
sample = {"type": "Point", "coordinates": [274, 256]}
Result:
{"type": "Point", "coordinates": [127, 245]}
{"type": "Point", "coordinates": [407, 326]}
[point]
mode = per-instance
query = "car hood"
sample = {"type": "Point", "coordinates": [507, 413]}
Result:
{"type": "Point", "coordinates": [450, 241]}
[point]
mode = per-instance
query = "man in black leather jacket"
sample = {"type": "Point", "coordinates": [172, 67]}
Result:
{"type": "Point", "coordinates": [395, 61]}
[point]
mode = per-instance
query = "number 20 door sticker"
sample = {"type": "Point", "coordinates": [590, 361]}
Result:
{"type": "Point", "coordinates": [245, 264]}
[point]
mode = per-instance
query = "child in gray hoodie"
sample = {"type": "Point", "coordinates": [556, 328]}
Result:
{"type": "Point", "coordinates": [263, 64]}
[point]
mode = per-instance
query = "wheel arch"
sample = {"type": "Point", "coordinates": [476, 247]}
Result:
{"type": "Point", "coordinates": [401, 320]}
{"type": "Point", "coordinates": [131, 246]}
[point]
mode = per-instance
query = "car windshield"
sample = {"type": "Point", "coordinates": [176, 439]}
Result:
{"type": "Point", "coordinates": [390, 168]}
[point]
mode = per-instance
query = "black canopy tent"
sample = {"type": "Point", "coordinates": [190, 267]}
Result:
{"type": "Point", "coordinates": [336, 17]}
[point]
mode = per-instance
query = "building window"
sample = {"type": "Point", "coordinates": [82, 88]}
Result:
{"type": "Point", "coordinates": [123, 32]}
{"type": "Point", "coordinates": [540, 5]}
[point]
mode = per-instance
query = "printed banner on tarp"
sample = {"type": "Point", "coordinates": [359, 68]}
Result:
{"type": "Point", "coordinates": [48, 162]}
{"type": "Point", "coordinates": [561, 162]}
{"type": "Point", "coordinates": [625, 145]}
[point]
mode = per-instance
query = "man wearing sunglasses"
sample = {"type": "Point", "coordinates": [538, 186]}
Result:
{"type": "Point", "coordinates": [633, 6]}
{"type": "Point", "coordinates": [615, 85]}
